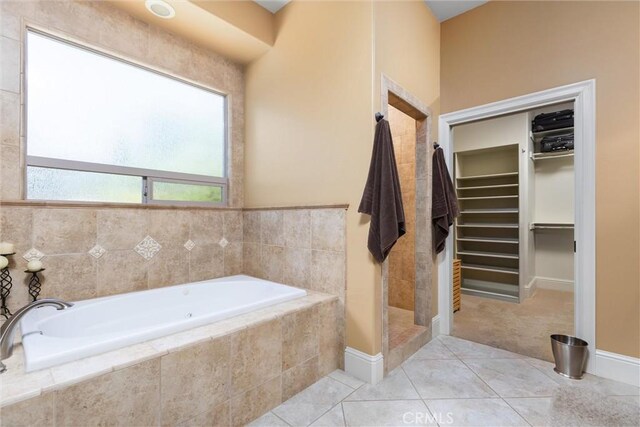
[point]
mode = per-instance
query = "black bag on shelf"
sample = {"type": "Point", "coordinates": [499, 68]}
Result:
{"type": "Point", "coordinates": [555, 120]}
{"type": "Point", "coordinates": [557, 143]}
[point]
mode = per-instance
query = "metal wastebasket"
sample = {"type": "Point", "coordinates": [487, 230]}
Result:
{"type": "Point", "coordinates": [570, 355]}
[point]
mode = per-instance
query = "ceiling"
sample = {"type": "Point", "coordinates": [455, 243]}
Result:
{"type": "Point", "coordinates": [442, 9]}
{"type": "Point", "coordinates": [447, 9]}
{"type": "Point", "coordinates": [272, 5]}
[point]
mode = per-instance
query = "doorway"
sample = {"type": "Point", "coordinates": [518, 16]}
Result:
{"type": "Point", "coordinates": [406, 303]}
{"type": "Point", "coordinates": [582, 95]}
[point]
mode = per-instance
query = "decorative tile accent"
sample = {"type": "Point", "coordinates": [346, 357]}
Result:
{"type": "Point", "coordinates": [97, 251]}
{"type": "Point", "coordinates": [33, 255]}
{"type": "Point", "coordinates": [223, 242]}
{"type": "Point", "coordinates": [147, 248]}
{"type": "Point", "coordinates": [189, 245]}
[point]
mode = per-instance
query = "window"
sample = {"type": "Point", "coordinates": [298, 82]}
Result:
{"type": "Point", "coordinates": [101, 129]}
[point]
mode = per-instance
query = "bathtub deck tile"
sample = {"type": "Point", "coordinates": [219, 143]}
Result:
{"type": "Point", "coordinates": [90, 367]}
{"type": "Point", "coordinates": [18, 385]}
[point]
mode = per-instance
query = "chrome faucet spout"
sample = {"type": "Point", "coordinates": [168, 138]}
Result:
{"type": "Point", "coordinates": [8, 329]}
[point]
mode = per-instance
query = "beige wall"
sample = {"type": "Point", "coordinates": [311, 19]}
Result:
{"type": "Point", "coordinates": [402, 265]}
{"type": "Point", "coordinates": [310, 125]}
{"type": "Point", "coordinates": [505, 49]}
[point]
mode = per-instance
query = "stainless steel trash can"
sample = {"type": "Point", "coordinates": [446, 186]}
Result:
{"type": "Point", "coordinates": [570, 355]}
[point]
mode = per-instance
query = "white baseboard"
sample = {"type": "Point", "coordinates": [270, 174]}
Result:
{"type": "Point", "coordinates": [530, 288]}
{"type": "Point", "coordinates": [435, 326]}
{"type": "Point", "coordinates": [554, 284]}
{"type": "Point", "coordinates": [618, 367]}
{"type": "Point", "coordinates": [363, 366]}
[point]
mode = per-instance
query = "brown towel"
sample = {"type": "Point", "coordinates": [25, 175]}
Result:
{"type": "Point", "coordinates": [444, 206]}
{"type": "Point", "coordinates": [382, 198]}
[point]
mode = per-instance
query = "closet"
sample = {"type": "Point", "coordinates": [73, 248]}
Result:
{"type": "Point", "coordinates": [515, 230]}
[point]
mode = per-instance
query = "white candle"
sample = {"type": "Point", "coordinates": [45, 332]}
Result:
{"type": "Point", "coordinates": [34, 265]}
{"type": "Point", "coordinates": [3, 262]}
{"type": "Point", "coordinates": [6, 248]}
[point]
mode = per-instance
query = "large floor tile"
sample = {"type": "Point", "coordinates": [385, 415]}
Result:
{"type": "Point", "coordinates": [395, 386]}
{"type": "Point", "coordinates": [387, 413]}
{"type": "Point", "coordinates": [513, 377]}
{"type": "Point", "coordinates": [475, 412]}
{"type": "Point", "coordinates": [332, 418]}
{"type": "Point", "coordinates": [344, 378]}
{"type": "Point", "coordinates": [268, 420]}
{"type": "Point", "coordinates": [441, 379]}
{"type": "Point", "coordinates": [470, 350]}
{"type": "Point", "coordinates": [434, 349]}
{"type": "Point", "coordinates": [576, 407]}
{"type": "Point", "coordinates": [308, 405]}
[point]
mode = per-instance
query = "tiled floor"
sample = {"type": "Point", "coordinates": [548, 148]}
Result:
{"type": "Point", "coordinates": [453, 382]}
{"type": "Point", "coordinates": [401, 327]}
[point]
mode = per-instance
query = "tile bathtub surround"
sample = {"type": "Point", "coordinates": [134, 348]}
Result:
{"type": "Point", "coordinates": [67, 235]}
{"type": "Point", "coordinates": [105, 27]}
{"type": "Point", "coordinates": [226, 373]}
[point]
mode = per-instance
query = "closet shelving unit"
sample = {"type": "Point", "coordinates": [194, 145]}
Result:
{"type": "Point", "coordinates": [487, 231]}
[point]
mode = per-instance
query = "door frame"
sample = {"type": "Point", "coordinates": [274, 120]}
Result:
{"type": "Point", "coordinates": [583, 94]}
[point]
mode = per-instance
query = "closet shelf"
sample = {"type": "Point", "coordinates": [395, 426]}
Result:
{"type": "Point", "coordinates": [507, 240]}
{"type": "Point", "coordinates": [488, 187]}
{"type": "Point", "coordinates": [491, 268]}
{"type": "Point", "coordinates": [551, 226]}
{"type": "Point", "coordinates": [552, 155]}
{"type": "Point", "coordinates": [494, 175]}
{"type": "Point", "coordinates": [489, 254]}
{"type": "Point", "coordinates": [512, 196]}
{"type": "Point", "coordinates": [488, 225]}
{"type": "Point", "coordinates": [490, 211]}
{"type": "Point", "coordinates": [544, 133]}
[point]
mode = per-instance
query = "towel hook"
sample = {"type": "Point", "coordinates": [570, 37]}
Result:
{"type": "Point", "coordinates": [379, 116]}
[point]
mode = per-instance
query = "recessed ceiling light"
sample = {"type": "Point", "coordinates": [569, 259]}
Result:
{"type": "Point", "coordinates": [160, 8]}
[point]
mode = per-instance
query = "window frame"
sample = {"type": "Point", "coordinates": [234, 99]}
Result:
{"type": "Point", "coordinates": [148, 176]}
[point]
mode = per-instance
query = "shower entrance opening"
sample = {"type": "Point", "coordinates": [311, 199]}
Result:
{"type": "Point", "coordinates": [406, 274]}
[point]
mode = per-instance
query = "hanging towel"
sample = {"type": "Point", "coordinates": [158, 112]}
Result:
{"type": "Point", "coordinates": [382, 198]}
{"type": "Point", "coordinates": [444, 207]}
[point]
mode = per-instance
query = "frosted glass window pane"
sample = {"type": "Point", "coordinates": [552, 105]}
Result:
{"type": "Point", "coordinates": [56, 184]}
{"type": "Point", "coordinates": [171, 191]}
{"type": "Point", "coordinates": [88, 107]}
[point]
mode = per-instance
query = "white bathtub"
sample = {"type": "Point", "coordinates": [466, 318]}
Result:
{"type": "Point", "coordinates": [51, 337]}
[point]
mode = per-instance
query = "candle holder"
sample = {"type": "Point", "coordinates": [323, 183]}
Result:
{"type": "Point", "coordinates": [34, 283]}
{"type": "Point", "coordinates": [5, 289]}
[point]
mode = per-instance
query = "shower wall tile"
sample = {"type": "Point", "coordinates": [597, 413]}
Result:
{"type": "Point", "coordinates": [10, 113]}
{"type": "Point", "coordinates": [206, 227]}
{"type": "Point", "coordinates": [271, 228]}
{"type": "Point", "coordinates": [206, 262]}
{"type": "Point", "coordinates": [297, 228]}
{"type": "Point", "coordinates": [121, 271]}
{"type": "Point", "coordinates": [328, 229]}
{"type": "Point", "coordinates": [233, 226]}
{"type": "Point", "coordinates": [169, 267]}
{"type": "Point", "coordinates": [64, 231]}
{"type": "Point", "coordinates": [69, 277]}
{"type": "Point", "coordinates": [251, 225]}
{"type": "Point", "coordinates": [233, 259]}
{"type": "Point", "coordinates": [121, 228]}
{"type": "Point", "coordinates": [297, 267]}
{"type": "Point", "coordinates": [170, 228]}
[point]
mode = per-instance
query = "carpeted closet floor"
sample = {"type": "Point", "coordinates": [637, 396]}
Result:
{"type": "Point", "coordinates": [521, 328]}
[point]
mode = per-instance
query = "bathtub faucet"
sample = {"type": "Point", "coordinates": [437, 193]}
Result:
{"type": "Point", "coordinates": [9, 327]}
